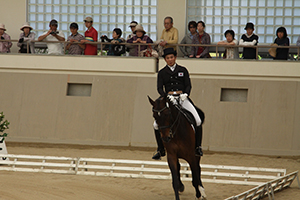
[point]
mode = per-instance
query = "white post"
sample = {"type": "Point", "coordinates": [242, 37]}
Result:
{"type": "Point", "coordinates": [3, 149]}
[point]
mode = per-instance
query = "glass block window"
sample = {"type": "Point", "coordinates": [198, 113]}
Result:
{"type": "Point", "coordinates": [266, 15]}
{"type": "Point", "coordinates": [107, 15]}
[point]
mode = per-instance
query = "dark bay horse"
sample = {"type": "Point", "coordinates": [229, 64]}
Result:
{"type": "Point", "coordinates": [179, 140]}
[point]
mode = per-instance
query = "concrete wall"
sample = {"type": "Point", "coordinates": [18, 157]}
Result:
{"type": "Point", "coordinates": [34, 99]}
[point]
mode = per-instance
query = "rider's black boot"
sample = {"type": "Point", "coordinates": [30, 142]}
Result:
{"type": "Point", "coordinates": [198, 150]}
{"type": "Point", "coordinates": [160, 146]}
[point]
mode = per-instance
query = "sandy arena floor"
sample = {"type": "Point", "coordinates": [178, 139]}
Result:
{"type": "Point", "coordinates": [21, 185]}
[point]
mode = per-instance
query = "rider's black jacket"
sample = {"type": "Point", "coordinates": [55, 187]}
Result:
{"type": "Point", "coordinates": [177, 80]}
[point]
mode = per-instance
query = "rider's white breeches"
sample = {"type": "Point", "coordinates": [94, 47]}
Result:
{"type": "Point", "coordinates": [186, 104]}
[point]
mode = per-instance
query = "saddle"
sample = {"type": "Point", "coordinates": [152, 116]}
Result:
{"type": "Point", "coordinates": [189, 116]}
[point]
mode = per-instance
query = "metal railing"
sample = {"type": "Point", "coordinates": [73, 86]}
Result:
{"type": "Point", "coordinates": [214, 48]}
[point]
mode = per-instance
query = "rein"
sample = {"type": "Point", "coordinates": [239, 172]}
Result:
{"type": "Point", "coordinates": [174, 122]}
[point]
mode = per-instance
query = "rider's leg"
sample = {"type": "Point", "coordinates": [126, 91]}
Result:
{"type": "Point", "coordinates": [198, 141]}
{"type": "Point", "coordinates": [186, 104]}
{"type": "Point", "coordinates": [160, 146]}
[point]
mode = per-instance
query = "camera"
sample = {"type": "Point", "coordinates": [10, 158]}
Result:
{"type": "Point", "coordinates": [54, 32]}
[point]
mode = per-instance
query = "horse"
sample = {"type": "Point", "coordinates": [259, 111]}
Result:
{"type": "Point", "coordinates": [178, 137]}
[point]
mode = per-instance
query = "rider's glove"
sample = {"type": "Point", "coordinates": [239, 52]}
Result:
{"type": "Point", "coordinates": [172, 99]}
{"type": "Point", "coordinates": [183, 96]}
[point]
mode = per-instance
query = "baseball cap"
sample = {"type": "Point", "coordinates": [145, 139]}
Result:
{"type": "Point", "coordinates": [88, 19]}
{"type": "Point", "coordinates": [133, 24]}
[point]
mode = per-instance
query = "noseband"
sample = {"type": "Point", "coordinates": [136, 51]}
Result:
{"type": "Point", "coordinates": [170, 126]}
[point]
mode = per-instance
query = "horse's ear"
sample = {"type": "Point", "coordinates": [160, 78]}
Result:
{"type": "Point", "coordinates": [151, 101]}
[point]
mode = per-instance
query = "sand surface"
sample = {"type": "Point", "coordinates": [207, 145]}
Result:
{"type": "Point", "coordinates": [26, 185]}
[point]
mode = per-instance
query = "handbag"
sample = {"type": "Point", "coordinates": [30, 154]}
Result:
{"type": "Point", "coordinates": [149, 52]}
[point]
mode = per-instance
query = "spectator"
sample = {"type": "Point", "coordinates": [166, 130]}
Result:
{"type": "Point", "coordinates": [139, 37]}
{"type": "Point", "coordinates": [186, 50]}
{"type": "Point", "coordinates": [282, 40]}
{"type": "Point", "coordinates": [91, 35]}
{"type": "Point", "coordinates": [26, 36]}
{"type": "Point", "coordinates": [230, 52]}
{"type": "Point", "coordinates": [169, 35]}
{"type": "Point", "coordinates": [113, 49]}
{"type": "Point", "coordinates": [75, 49]}
{"type": "Point", "coordinates": [249, 39]}
{"type": "Point", "coordinates": [4, 46]}
{"type": "Point", "coordinates": [298, 41]}
{"type": "Point", "coordinates": [53, 35]}
{"type": "Point", "coordinates": [200, 38]}
{"type": "Point", "coordinates": [131, 48]}
{"type": "Point", "coordinates": [132, 26]}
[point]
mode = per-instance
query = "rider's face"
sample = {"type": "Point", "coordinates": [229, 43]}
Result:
{"type": "Point", "coordinates": [170, 59]}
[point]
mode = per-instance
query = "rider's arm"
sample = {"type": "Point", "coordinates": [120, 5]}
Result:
{"type": "Point", "coordinates": [187, 83]}
{"type": "Point", "coordinates": [160, 84]}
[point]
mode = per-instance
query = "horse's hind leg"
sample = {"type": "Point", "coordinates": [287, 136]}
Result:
{"type": "Point", "coordinates": [181, 186]}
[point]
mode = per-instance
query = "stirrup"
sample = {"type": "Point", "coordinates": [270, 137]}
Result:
{"type": "Point", "coordinates": [158, 154]}
{"type": "Point", "coordinates": [198, 151]}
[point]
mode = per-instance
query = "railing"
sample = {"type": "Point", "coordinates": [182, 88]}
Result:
{"type": "Point", "coordinates": [213, 48]}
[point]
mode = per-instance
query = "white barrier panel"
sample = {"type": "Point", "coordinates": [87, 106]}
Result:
{"type": "Point", "coordinates": [3, 149]}
{"type": "Point", "coordinates": [138, 169]}
{"type": "Point", "coordinates": [268, 188]}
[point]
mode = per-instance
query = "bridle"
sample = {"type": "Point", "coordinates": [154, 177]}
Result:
{"type": "Point", "coordinates": [172, 131]}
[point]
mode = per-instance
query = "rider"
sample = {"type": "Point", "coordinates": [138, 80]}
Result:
{"type": "Point", "coordinates": [174, 79]}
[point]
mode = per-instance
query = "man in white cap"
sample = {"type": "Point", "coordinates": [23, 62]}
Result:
{"type": "Point", "coordinates": [53, 35]}
{"type": "Point", "coordinates": [26, 36]}
{"type": "Point", "coordinates": [4, 46]}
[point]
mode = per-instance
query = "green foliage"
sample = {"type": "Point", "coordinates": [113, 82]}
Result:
{"type": "Point", "coordinates": [3, 126]}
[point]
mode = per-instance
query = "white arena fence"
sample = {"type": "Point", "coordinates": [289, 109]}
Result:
{"type": "Point", "coordinates": [156, 170]}
{"type": "Point", "coordinates": [268, 189]}
{"type": "Point", "coordinates": [137, 169]}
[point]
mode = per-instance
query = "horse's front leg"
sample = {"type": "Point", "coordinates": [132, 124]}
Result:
{"type": "Point", "coordinates": [181, 186]}
{"type": "Point", "coordinates": [173, 165]}
{"type": "Point", "coordinates": [195, 168]}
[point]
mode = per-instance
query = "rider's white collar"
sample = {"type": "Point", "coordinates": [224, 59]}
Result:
{"type": "Point", "coordinates": [172, 68]}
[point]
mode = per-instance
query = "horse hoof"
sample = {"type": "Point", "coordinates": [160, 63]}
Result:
{"type": "Point", "coordinates": [203, 195]}
{"type": "Point", "coordinates": [181, 189]}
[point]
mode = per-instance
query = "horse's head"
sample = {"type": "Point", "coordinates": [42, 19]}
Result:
{"type": "Point", "coordinates": [163, 116]}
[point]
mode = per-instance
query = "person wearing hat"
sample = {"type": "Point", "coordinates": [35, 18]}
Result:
{"type": "Point", "coordinates": [139, 37]}
{"type": "Point", "coordinates": [26, 36]}
{"type": "Point", "coordinates": [75, 49]}
{"type": "Point", "coordinates": [132, 26]}
{"type": "Point", "coordinates": [4, 46]}
{"type": "Point", "coordinates": [169, 35]}
{"type": "Point", "coordinates": [53, 35]}
{"type": "Point", "coordinates": [174, 82]}
{"type": "Point", "coordinates": [91, 35]}
{"type": "Point", "coordinates": [249, 39]}
{"type": "Point", "coordinates": [282, 40]}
